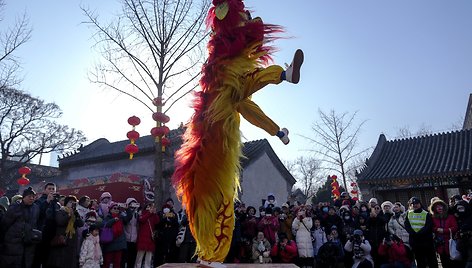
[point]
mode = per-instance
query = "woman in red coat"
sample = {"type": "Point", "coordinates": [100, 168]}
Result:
{"type": "Point", "coordinates": [148, 218]}
{"type": "Point", "coordinates": [443, 225]}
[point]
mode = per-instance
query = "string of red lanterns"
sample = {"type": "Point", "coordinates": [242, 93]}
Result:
{"type": "Point", "coordinates": [23, 172]}
{"type": "Point", "coordinates": [132, 135]}
{"type": "Point", "coordinates": [159, 132]}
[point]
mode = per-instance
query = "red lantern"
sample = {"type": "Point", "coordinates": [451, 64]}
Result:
{"type": "Point", "coordinates": [160, 117]}
{"type": "Point", "coordinates": [159, 131]}
{"type": "Point", "coordinates": [158, 101]}
{"type": "Point", "coordinates": [165, 142]}
{"type": "Point", "coordinates": [23, 181]}
{"type": "Point", "coordinates": [134, 120]}
{"type": "Point", "coordinates": [24, 170]}
{"type": "Point", "coordinates": [132, 135]}
{"type": "Point", "coordinates": [131, 149]}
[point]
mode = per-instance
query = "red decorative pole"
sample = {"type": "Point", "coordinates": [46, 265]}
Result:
{"type": "Point", "coordinates": [335, 187]}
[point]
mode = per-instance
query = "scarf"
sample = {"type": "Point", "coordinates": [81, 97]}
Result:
{"type": "Point", "coordinates": [70, 230]}
{"type": "Point", "coordinates": [117, 227]}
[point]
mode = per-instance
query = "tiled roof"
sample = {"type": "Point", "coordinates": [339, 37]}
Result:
{"type": "Point", "coordinates": [254, 149]}
{"type": "Point", "coordinates": [443, 155]}
{"type": "Point", "coordinates": [103, 150]}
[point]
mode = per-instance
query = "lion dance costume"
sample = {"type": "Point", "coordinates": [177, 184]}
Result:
{"type": "Point", "coordinates": [206, 176]}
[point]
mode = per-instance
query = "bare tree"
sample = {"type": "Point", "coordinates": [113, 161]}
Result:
{"type": "Point", "coordinates": [152, 50]}
{"type": "Point", "coordinates": [28, 129]}
{"type": "Point", "coordinates": [405, 132]}
{"type": "Point", "coordinates": [336, 141]}
{"type": "Point", "coordinates": [11, 38]}
{"type": "Point", "coordinates": [307, 171]}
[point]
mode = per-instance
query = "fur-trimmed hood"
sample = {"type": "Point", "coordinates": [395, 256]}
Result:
{"type": "Point", "coordinates": [387, 203]}
{"type": "Point", "coordinates": [433, 206]}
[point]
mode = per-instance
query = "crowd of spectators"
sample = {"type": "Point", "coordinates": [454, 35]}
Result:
{"type": "Point", "coordinates": [50, 230]}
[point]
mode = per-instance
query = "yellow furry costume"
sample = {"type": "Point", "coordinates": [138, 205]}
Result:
{"type": "Point", "coordinates": [206, 175]}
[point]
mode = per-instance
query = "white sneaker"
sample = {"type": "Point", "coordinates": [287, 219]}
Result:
{"type": "Point", "coordinates": [285, 138]}
{"type": "Point", "coordinates": [292, 73]}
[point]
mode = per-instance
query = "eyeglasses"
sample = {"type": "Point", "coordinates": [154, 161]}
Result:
{"type": "Point", "coordinates": [114, 208]}
{"type": "Point", "coordinates": [377, 208]}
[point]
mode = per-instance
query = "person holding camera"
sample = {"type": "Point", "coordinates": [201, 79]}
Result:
{"type": "Point", "coordinates": [145, 246]}
{"type": "Point", "coordinates": [67, 221]}
{"type": "Point", "coordinates": [261, 249]}
{"type": "Point", "coordinates": [360, 248]}
{"type": "Point", "coordinates": [301, 226]}
{"type": "Point", "coordinates": [48, 203]}
{"type": "Point", "coordinates": [285, 251]}
{"type": "Point", "coordinates": [131, 232]}
{"type": "Point", "coordinates": [393, 249]}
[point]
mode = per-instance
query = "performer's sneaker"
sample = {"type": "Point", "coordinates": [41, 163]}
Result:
{"type": "Point", "coordinates": [292, 73]}
{"type": "Point", "coordinates": [285, 138]}
{"type": "Point", "coordinates": [209, 264]}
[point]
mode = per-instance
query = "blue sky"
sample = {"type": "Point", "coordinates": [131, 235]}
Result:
{"type": "Point", "coordinates": [398, 63]}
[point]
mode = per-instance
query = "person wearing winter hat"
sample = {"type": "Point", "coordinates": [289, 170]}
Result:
{"type": "Point", "coordinates": [18, 249]}
{"type": "Point", "coordinates": [4, 204]}
{"type": "Point", "coordinates": [396, 225]}
{"type": "Point", "coordinates": [105, 201]}
{"type": "Point", "coordinates": [131, 231]}
{"type": "Point", "coordinates": [68, 223]}
{"type": "Point", "coordinates": [168, 228]}
{"type": "Point", "coordinates": [16, 199]}
{"type": "Point", "coordinates": [360, 249]}
{"type": "Point", "coordinates": [302, 225]}
{"type": "Point", "coordinates": [91, 253]}
{"type": "Point", "coordinates": [373, 202]}
{"type": "Point", "coordinates": [444, 227]}
{"type": "Point", "coordinates": [82, 206]}
{"type": "Point", "coordinates": [269, 225]}
{"type": "Point", "coordinates": [270, 201]}
{"type": "Point", "coordinates": [419, 224]}
{"type": "Point", "coordinates": [112, 251]}
{"type": "Point", "coordinates": [145, 243]}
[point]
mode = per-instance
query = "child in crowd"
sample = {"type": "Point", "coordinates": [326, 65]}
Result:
{"type": "Point", "coordinates": [91, 253]}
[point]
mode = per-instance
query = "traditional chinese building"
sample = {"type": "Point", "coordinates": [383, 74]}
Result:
{"type": "Point", "coordinates": [426, 166]}
{"type": "Point", "coordinates": [103, 166]}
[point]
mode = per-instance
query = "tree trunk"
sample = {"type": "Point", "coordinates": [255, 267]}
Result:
{"type": "Point", "coordinates": [159, 183]}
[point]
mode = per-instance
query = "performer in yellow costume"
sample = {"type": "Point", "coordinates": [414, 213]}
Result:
{"type": "Point", "coordinates": [206, 175]}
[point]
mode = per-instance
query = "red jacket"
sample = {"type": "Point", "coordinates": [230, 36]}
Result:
{"type": "Point", "coordinates": [287, 255]}
{"type": "Point", "coordinates": [395, 253]}
{"type": "Point", "coordinates": [269, 225]}
{"type": "Point", "coordinates": [445, 223]}
{"type": "Point", "coordinates": [147, 222]}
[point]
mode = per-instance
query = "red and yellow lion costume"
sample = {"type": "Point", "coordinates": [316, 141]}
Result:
{"type": "Point", "coordinates": [207, 168]}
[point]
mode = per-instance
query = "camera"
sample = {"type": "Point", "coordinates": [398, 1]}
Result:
{"type": "Point", "coordinates": [356, 238]}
